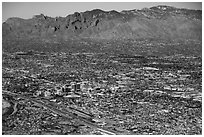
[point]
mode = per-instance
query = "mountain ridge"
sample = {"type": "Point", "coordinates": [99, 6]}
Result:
{"type": "Point", "coordinates": [161, 21]}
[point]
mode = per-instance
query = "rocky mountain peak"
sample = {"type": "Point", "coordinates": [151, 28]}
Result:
{"type": "Point", "coordinates": [156, 22]}
{"type": "Point", "coordinates": [163, 7]}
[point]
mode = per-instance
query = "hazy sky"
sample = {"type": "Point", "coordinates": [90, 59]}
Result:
{"type": "Point", "coordinates": [28, 9]}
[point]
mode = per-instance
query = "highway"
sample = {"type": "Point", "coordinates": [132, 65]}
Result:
{"type": "Point", "coordinates": [65, 113]}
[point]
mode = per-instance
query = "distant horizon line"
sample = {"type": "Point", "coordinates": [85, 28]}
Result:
{"type": "Point", "coordinates": [96, 9]}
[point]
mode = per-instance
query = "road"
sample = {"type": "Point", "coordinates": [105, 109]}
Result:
{"type": "Point", "coordinates": [65, 113]}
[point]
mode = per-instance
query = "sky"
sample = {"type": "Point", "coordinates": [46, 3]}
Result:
{"type": "Point", "coordinates": [27, 10]}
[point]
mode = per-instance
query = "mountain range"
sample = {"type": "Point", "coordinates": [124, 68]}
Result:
{"type": "Point", "coordinates": [159, 22]}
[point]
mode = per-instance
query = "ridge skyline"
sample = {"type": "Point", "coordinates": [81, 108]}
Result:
{"type": "Point", "coordinates": [18, 10]}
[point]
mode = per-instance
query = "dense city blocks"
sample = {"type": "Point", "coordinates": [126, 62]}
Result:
{"type": "Point", "coordinates": [125, 94]}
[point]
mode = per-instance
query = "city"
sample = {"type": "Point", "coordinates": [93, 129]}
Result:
{"type": "Point", "coordinates": [123, 93]}
{"type": "Point", "coordinates": [98, 68]}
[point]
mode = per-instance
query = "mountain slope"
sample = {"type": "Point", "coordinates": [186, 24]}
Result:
{"type": "Point", "coordinates": [162, 22]}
